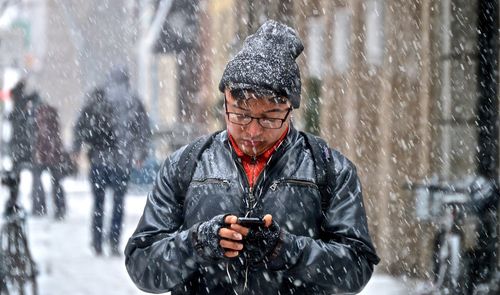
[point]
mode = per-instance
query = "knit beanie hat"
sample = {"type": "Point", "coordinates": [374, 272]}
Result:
{"type": "Point", "coordinates": [267, 62]}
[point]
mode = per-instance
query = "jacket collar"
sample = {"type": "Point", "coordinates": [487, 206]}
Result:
{"type": "Point", "coordinates": [265, 155]}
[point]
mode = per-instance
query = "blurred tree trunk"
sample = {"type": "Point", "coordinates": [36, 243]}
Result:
{"type": "Point", "coordinates": [312, 105]}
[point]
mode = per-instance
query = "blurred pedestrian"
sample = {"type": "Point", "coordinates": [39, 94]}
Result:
{"type": "Point", "coordinates": [114, 125]}
{"type": "Point", "coordinates": [20, 144]}
{"type": "Point", "coordinates": [307, 232]}
{"type": "Point", "coordinates": [50, 155]}
{"type": "Point", "coordinates": [36, 145]}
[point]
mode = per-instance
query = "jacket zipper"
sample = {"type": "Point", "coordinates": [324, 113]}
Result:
{"type": "Point", "coordinates": [275, 183]}
{"type": "Point", "coordinates": [251, 200]}
{"type": "Point", "coordinates": [251, 193]}
{"type": "Point", "coordinates": [251, 196]}
{"type": "Point", "coordinates": [212, 181]}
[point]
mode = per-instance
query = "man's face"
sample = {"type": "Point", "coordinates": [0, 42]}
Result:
{"type": "Point", "coordinates": [254, 139]}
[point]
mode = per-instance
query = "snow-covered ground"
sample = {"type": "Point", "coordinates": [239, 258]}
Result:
{"type": "Point", "coordinates": [66, 265]}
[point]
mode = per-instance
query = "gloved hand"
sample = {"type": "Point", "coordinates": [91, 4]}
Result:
{"type": "Point", "coordinates": [260, 243]}
{"type": "Point", "coordinates": [207, 240]}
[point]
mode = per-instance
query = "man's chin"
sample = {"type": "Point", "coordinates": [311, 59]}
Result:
{"type": "Point", "coordinates": [252, 150]}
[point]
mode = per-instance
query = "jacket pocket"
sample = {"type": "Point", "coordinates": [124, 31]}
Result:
{"type": "Point", "coordinates": [202, 181]}
{"type": "Point", "coordinates": [295, 204]}
{"type": "Point", "coordinates": [293, 182]}
{"type": "Point", "coordinates": [208, 197]}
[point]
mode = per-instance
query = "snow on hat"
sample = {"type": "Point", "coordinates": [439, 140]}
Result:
{"type": "Point", "coordinates": [267, 61]}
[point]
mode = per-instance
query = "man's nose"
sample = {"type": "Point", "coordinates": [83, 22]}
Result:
{"type": "Point", "coordinates": [254, 128]}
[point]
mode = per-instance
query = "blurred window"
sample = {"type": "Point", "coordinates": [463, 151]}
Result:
{"type": "Point", "coordinates": [374, 45]}
{"type": "Point", "coordinates": [341, 39]}
{"type": "Point", "coordinates": [316, 48]}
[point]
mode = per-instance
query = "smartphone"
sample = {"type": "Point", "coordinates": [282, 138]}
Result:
{"type": "Point", "coordinates": [251, 222]}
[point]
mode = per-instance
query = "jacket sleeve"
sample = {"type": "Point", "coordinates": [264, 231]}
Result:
{"type": "Point", "coordinates": [79, 128]}
{"type": "Point", "coordinates": [160, 256]}
{"type": "Point", "coordinates": [344, 257]}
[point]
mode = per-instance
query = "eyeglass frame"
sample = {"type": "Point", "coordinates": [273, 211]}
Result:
{"type": "Point", "coordinates": [289, 110]}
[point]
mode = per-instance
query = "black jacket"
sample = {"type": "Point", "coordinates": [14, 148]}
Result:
{"type": "Point", "coordinates": [115, 136]}
{"type": "Point", "coordinates": [23, 124]}
{"type": "Point", "coordinates": [319, 252]}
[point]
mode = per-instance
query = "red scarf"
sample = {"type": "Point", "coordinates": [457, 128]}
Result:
{"type": "Point", "coordinates": [255, 165]}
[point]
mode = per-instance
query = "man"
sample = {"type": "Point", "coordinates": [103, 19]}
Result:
{"type": "Point", "coordinates": [114, 125]}
{"type": "Point", "coordinates": [190, 240]}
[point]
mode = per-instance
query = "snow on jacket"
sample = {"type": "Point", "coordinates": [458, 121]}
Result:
{"type": "Point", "coordinates": [116, 133]}
{"type": "Point", "coordinates": [320, 252]}
{"type": "Point", "coordinates": [36, 137]}
{"type": "Point", "coordinates": [22, 119]}
{"type": "Point", "coordinates": [48, 144]}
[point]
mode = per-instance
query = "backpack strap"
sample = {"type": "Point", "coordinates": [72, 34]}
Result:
{"type": "Point", "coordinates": [189, 158]}
{"type": "Point", "coordinates": [323, 164]}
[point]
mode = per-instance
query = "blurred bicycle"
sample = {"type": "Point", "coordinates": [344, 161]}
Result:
{"type": "Point", "coordinates": [17, 267]}
{"type": "Point", "coordinates": [464, 216]}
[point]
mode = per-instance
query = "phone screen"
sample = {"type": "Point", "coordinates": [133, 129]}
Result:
{"type": "Point", "coordinates": [250, 221]}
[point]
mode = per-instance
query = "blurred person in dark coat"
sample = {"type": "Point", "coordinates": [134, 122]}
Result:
{"type": "Point", "coordinates": [114, 125]}
{"type": "Point", "coordinates": [50, 155]}
{"type": "Point", "coordinates": [36, 145]}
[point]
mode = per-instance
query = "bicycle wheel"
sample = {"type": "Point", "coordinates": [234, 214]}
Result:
{"type": "Point", "coordinates": [20, 275]}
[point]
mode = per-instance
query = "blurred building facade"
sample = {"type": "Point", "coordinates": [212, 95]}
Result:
{"type": "Point", "coordinates": [70, 46]}
{"type": "Point", "coordinates": [397, 88]}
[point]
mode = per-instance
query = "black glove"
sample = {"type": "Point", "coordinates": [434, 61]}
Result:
{"type": "Point", "coordinates": [207, 240]}
{"type": "Point", "coordinates": [260, 243]}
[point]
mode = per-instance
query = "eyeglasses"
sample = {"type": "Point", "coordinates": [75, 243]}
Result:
{"type": "Point", "coordinates": [268, 123]}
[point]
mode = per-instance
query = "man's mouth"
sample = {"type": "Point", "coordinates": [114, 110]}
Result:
{"type": "Point", "coordinates": [251, 142]}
